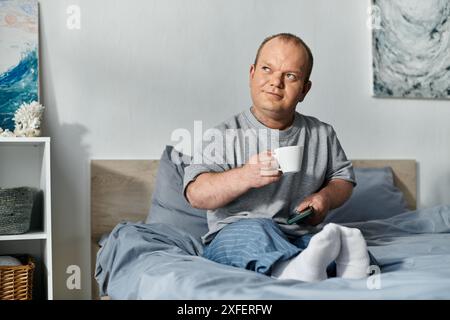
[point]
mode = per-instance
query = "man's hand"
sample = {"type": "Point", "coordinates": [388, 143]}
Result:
{"type": "Point", "coordinates": [321, 205]}
{"type": "Point", "coordinates": [260, 170]}
{"type": "Point", "coordinates": [212, 190]}
{"type": "Point", "coordinates": [332, 196]}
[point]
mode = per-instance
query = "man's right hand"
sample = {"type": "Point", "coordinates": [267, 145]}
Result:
{"type": "Point", "coordinates": [260, 170]}
{"type": "Point", "coordinates": [214, 190]}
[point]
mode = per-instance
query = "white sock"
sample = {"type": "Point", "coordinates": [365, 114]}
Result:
{"type": "Point", "coordinates": [311, 264]}
{"type": "Point", "coordinates": [353, 259]}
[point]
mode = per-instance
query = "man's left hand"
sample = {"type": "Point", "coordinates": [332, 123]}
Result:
{"type": "Point", "coordinates": [321, 205]}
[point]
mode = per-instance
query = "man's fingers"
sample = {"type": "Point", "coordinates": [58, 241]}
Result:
{"type": "Point", "coordinates": [302, 206]}
{"type": "Point", "coordinates": [267, 173]}
{"type": "Point", "coordinates": [272, 179]}
{"type": "Point", "coordinates": [269, 178]}
{"type": "Point", "coordinates": [270, 164]}
{"type": "Point", "coordinates": [262, 157]}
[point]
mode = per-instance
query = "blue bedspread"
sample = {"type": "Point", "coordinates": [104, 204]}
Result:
{"type": "Point", "coordinates": [157, 261]}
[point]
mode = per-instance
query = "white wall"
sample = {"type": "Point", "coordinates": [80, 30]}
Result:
{"type": "Point", "coordinates": [138, 69]}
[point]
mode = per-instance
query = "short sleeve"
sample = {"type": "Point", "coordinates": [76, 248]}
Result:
{"type": "Point", "coordinates": [208, 157]}
{"type": "Point", "coordinates": [339, 167]}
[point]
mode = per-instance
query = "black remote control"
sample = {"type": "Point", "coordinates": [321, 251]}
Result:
{"type": "Point", "coordinates": [299, 216]}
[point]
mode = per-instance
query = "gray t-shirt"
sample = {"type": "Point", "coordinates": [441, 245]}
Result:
{"type": "Point", "coordinates": [233, 142]}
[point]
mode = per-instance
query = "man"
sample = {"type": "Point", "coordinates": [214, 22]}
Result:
{"type": "Point", "coordinates": [249, 200]}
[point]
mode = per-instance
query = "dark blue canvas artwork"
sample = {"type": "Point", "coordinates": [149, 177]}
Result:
{"type": "Point", "coordinates": [18, 57]}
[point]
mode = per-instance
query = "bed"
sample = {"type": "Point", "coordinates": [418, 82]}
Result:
{"type": "Point", "coordinates": [156, 260]}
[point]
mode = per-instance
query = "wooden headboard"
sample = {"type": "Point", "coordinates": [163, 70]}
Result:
{"type": "Point", "coordinates": [122, 189]}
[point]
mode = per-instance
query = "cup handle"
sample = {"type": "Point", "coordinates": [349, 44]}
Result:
{"type": "Point", "coordinates": [274, 153]}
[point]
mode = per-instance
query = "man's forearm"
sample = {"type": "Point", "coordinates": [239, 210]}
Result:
{"type": "Point", "coordinates": [215, 190]}
{"type": "Point", "coordinates": [337, 191]}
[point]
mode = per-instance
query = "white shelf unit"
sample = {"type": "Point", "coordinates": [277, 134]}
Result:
{"type": "Point", "coordinates": [26, 162]}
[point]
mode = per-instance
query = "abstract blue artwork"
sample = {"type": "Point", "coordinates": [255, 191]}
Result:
{"type": "Point", "coordinates": [411, 49]}
{"type": "Point", "coordinates": [18, 57]}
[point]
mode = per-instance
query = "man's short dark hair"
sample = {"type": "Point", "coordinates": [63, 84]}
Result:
{"type": "Point", "coordinates": [288, 37]}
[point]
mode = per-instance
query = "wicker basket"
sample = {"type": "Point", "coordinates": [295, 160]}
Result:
{"type": "Point", "coordinates": [16, 282]}
{"type": "Point", "coordinates": [16, 206]}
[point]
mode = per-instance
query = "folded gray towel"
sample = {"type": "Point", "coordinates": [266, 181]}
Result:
{"type": "Point", "coordinates": [9, 261]}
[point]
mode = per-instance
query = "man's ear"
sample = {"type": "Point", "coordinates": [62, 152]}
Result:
{"type": "Point", "coordinates": [305, 91]}
{"type": "Point", "coordinates": [252, 71]}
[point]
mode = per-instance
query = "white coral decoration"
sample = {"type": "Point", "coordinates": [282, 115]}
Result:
{"type": "Point", "coordinates": [6, 133]}
{"type": "Point", "coordinates": [28, 120]}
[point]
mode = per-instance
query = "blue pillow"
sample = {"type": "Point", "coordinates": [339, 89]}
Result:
{"type": "Point", "coordinates": [168, 203]}
{"type": "Point", "coordinates": [374, 197]}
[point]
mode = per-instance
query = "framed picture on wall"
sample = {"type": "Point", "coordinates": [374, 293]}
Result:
{"type": "Point", "coordinates": [19, 65]}
{"type": "Point", "coordinates": [411, 48]}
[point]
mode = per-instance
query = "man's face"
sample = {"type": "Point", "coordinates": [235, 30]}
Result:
{"type": "Point", "coordinates": [277, 81]}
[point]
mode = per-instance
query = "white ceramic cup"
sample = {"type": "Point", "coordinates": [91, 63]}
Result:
{"type": "Point", "coordinates": [289, 158]}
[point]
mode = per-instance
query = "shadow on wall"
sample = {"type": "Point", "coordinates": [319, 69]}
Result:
{"type": "Point", "coordinates": [70, 173]}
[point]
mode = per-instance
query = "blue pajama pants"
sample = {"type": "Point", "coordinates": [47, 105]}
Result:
{"type": "Point", "coordinates": [257, 244]}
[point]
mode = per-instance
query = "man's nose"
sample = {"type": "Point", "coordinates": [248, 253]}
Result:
{"type": "Point", "coordinates": [277, 80]}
